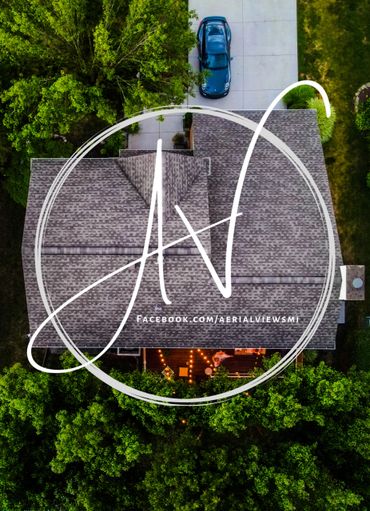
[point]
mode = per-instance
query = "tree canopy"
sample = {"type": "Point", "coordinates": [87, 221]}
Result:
{"type": "Point", "coordinates": [301, 442]}
{"type": "Point", "coordinates": [67, 69]}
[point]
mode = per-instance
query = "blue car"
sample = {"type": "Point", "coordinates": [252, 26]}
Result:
{"type": "Point", "coordinates": [214, 40]}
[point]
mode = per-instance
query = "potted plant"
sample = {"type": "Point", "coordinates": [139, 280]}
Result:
{"type": "Point", "coordinates": [179, 141]}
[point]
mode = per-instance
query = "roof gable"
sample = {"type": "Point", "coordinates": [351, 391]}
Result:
{"type": "Point", "coordinates": [179, 174]}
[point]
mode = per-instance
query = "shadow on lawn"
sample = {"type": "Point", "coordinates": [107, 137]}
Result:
{"type": "Point", "coordinates": [13, 311]}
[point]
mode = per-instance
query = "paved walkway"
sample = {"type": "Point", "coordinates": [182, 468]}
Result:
{"type": "Point", "coordinates": [152, 129]}
{"type": "Point", "coordinates": [264, 47]}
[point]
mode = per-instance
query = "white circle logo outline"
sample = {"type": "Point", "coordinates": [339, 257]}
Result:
{"type": "Point", "coordinates": [89, 364]}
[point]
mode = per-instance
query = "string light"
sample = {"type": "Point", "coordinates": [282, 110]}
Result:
{"type": "Point", "coordinates": [191, 364]}
{"type": "Point", "coordinates": [167, 372]}
{"type": "Point", "coordinates": [257, 361]}
{"type": "Point", "coordinates": [161, 357]}
{"type": "Point", "coordinates": [206, 359]}
{"type": "Point", "coordinates": [190, 367]}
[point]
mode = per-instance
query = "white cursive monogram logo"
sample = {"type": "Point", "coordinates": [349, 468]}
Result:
{"type": "Point", "coordinates": [157, 201]}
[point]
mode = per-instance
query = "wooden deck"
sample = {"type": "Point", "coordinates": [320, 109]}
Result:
{"type": "Point", "coordinates": [196, 361]}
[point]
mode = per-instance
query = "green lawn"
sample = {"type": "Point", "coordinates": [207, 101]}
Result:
{"type": "Point", "coordinates": [334, 49]}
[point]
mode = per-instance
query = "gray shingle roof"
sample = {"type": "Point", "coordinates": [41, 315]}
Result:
{"type": "Point", "coordinates": [99, 220]}
{"type": "Point", "coordinates": [179, 174]}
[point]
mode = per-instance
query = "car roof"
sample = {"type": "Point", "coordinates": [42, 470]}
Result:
{"type": "Point", "coordinates": [216, 47]}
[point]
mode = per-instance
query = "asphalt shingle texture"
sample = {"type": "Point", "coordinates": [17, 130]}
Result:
{"type": "Point", "coordinates": [98, 224]}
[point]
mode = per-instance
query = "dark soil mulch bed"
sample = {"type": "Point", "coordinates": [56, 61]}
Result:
{"type": "Point", "coordinates": [364, 94]}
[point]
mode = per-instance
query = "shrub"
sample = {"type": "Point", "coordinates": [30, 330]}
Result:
{"type": "Point", "coordinates": [298, 97]}
{"type": "Point", "coordinates": [363, 116]}
{"type": "Point", "coordinates": [187, 120]}
{"type": "Point", "coordinates": [179, 139]}
{"type": "Point", "coordinates": [309, 356]}
{"type": "Point", "coordinates": [326, 124]}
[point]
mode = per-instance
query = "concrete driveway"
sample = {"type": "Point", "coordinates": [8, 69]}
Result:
{"type": "Point", "coordinates": [264, 47]}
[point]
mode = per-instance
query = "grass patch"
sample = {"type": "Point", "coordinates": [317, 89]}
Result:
{"type": "Point", "coordinates": [334, 50]}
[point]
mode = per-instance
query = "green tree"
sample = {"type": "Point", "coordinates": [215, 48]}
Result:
{"type": "Point", "coordinates": [70, 68]}
{"type": "Point", "coordinates": [299, 442]}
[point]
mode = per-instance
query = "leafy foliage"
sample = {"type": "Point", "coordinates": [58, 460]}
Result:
{"type": "Point", "coordinates": [363, 116]}
{"type": "Point", "coordinates": [298, 97]}
{"type": "Point", "coordinates": [41, 110]}
{"type": "Point", "coordinates": [326, 124]}
{"type": "Point", "coordinates": [305, 96]}
{"type": "Point", "coordinates": [68, 69]}
{"type": "Point", "coordinates": [298, 442]}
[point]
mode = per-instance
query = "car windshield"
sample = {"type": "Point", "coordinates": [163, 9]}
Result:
{"type": "Point", "coordinates": [216, 60]}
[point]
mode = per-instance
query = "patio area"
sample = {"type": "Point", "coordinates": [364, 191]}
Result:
{"type": "Point", "coordinates": [197, 363]}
